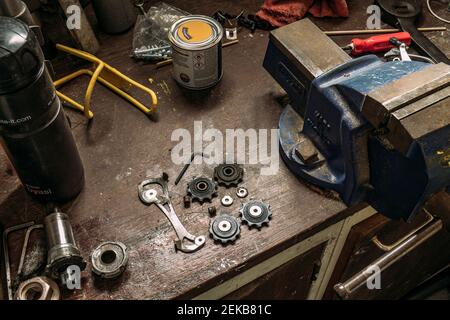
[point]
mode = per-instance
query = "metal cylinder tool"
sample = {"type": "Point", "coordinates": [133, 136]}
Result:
{"type": "Point", "coordinates": [62, 249]}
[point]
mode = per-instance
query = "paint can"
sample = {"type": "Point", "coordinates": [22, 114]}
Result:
{"type": "Point", "coordinates": [197, 51]}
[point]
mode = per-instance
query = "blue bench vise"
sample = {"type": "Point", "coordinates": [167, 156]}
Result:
{"type": "Point", "coordinates": [372, 131]}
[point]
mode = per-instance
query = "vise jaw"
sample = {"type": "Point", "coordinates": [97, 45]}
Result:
{"type": "Point", "coordinates": [373, 131]}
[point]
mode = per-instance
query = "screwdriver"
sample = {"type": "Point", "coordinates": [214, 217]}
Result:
{"type": "Point", "coordinates": [381, 43]}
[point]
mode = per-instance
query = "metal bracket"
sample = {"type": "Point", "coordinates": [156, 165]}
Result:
{"type": "Point", "coordinates": [186, 241]}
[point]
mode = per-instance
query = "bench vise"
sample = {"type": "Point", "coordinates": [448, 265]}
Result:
{"type": "Point", "coordinates": [373, 131]}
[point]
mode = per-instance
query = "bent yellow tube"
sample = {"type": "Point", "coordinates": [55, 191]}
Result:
{"type": "Point", "coordinates": [96, 76]}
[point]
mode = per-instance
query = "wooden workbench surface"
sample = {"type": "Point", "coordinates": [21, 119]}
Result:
{"type": "Point", "coordinates": [122, 147]}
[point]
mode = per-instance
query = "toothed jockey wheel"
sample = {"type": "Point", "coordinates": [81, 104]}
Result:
{"type": "Point", "coordinates": [229, 175]}
{"type": "Point", "coordinates": [255, 214]}
{"type": "Point", "coordinates": [225, 228]}
{"type": "Point", "coordinates": [202, 189]}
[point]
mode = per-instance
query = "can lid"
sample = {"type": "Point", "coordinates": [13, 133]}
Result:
{"type": "Point", "coordinates": [195, 32]}
{"type": "Point", "coordinates": [21, 58]}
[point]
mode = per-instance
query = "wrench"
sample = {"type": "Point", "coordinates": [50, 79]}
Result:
{"type": "Point", "coordinates": [186, 242]}
{"type": "Point", "coordinates": [6, 234]}
{"type": "Point", "coordinates": [25, 247]}
{"type": "Point", "coordinates": [404, 14]}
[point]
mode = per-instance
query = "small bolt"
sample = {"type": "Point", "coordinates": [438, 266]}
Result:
{"type": "Point", "coordinates": [187, 202]}
{"type": "Point", "coordinates": [307, 152]}
{"type": "Point", "coordinates": [212, 211]}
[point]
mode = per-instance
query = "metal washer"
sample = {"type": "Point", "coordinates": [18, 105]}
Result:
{"type": "Point", "coordinates": [227, 201]}
{"type": "Point", "coordinates": [109, 259]}
{"type": "Point", "coordinates": [242, 192]}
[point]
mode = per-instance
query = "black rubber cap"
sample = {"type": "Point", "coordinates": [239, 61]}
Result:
{"type": "Point", "coordinates": [21, 57]}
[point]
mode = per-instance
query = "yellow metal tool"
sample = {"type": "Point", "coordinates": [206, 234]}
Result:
{"type": "Point", "coordinates": [108, 76]}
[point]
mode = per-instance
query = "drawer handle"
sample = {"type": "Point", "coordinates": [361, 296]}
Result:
{"type": "Point", "coordinates": [390, 247]}
{"type": "Point", "coordinates": [345, 289]}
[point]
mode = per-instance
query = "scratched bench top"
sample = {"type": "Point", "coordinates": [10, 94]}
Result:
{"type": "Point", "coordinates": [122, 147]}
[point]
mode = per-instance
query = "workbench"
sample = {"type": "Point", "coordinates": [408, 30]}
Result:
{"type": "Point", "coordinates": [122, 147]}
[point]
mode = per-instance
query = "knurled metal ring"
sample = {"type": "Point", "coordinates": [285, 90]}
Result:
{"type": "Point", "coordinates": [109, 259]}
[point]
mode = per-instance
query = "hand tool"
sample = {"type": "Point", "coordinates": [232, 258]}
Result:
{"type": "Point", "coordinates": [25, 247]}
{"type": "Point", "coordinates": [186, 242]}
{"type": "Point", "coordinates": [404, 56]}
{"type": "Point", "coordinates": [6, 234]}
{"type": "Point", "coordinates": [381, 43]}
{"type": "Point", "coordinates": [404, 14]}
{"type": "Point", "coordinates": [356, 126]}
{"type": "Point", "coordinates": [187, 165]}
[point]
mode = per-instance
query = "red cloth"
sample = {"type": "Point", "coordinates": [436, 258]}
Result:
{"type": "Point", "coordinates": [282, 12]}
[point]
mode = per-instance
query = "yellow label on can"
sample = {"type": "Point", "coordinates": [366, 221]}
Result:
{"type": "Point", "coordinates": [195, 31]}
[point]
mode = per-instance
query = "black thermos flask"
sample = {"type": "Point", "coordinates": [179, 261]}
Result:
{"type": "Point", "coordinates": [34, 130]}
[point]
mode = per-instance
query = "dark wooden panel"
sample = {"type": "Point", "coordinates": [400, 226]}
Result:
{"type": "Point", "coordinates": [291, 281]}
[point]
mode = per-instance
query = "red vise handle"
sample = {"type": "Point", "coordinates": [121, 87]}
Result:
{"type": "Point", "coordinates": [379, 43]}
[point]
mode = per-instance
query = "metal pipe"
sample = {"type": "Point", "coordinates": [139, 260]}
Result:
{"type": "Point", "coordinates": [377, 31]}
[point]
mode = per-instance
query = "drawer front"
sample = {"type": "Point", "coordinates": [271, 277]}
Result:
{"type": "Point", "coordinates": [290, 281]}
